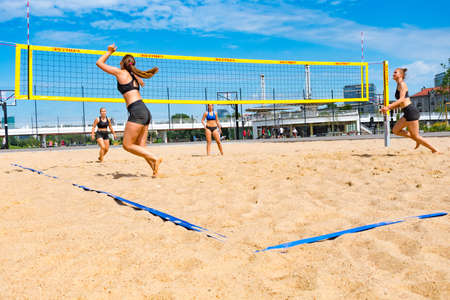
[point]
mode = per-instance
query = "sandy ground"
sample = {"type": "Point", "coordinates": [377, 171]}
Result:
{"type": "Point", "coordinates": [58, 241]}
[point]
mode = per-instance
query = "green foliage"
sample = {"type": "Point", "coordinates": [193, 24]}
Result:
{"type": "Point", "coordinates": [28, 142]}
{"type": "Point", "coordinates": [436, 127]}
{"type": "Point", "coordinates": [184, 135]}
{"type": "Point", "coordinates": [445, 86]}
{"type": "Point", "coordinates": [346, 107]}
{"type": "Point", "coordinates": [180, 116]}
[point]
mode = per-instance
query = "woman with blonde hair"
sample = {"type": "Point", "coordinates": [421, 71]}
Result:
{"type": "Point", "coordinates": [102, 136]}
{"type": "Point", "coordinates": [411, 115]}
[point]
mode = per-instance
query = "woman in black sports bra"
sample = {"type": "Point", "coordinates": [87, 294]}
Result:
{"type": "Point", "coordinates": [102, 122]}
{"type": "Point", "coordinates": [212, 128]}
{"type": "Point", "coordinates": [128, 82]}
{"type": "Point", "coordinates": [410, 116]}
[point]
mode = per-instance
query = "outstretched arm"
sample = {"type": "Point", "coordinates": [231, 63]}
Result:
{"type": "Point", "coordinates": [101, 62]}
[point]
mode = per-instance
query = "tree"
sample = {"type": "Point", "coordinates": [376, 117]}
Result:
{"type": "Point", "coordinates": [444, 89]}
{"type": "Point", "coordinates": [180, 116]}
{"type": "Point", "coordinates": [346, 107]}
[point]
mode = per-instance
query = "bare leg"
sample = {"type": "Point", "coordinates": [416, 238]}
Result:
{"type": "Point", "coordinates": [101, 153]}
{"type": "Point", "coordinates": [130, 142]}
{"type": "Point", "coordinates": [413, 127]}
{"type": "Point", "coordinates": [142, 141]}
{"type": "Point", "coordinates": [398, 130]}
{"type": "Point", "coordinates": [106, 147]}
{"type": "Point", "coordinates": [208, 141]}
{"type": "Point", "coordinates": [216, 136]}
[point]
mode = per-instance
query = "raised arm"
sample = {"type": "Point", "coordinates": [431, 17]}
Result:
{"type": "Point", "coordinates": [101, 62]}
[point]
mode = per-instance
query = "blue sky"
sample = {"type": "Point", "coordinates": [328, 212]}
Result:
{"type": "Point", "coordinates": [412, 34]}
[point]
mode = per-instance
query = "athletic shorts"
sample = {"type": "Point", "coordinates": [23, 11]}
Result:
{"type": "Point", "coordinates": [211, 128]}
{"type": "Point", "coordinates": [102, 135]}
{"type": "Point", "coordinates": [139, 113]}
{"type": "Point", "coordinates": [411, 113]}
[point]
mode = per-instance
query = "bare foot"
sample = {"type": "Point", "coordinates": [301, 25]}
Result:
{"type": "Point", "coordinates": [156, 168]}
{"type": "Point", "coordinates": [100, 159]}
{"type": "Point", "coordinates": [417, 145]}
{"type": "Point", "coordinates": [436, 152]}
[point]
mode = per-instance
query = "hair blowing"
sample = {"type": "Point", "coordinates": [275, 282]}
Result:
{"type": "Point", "coordinates": [129, 63]}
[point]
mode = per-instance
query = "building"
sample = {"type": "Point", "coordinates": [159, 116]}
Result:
{"type": "Point", "coordinates": [11, 122]}
{"type": "Point", "coordinates": [223, 113]}
{"type": "Point", "coordinates": [354, 91]}
{"type": "Point", "coordinates": [438, 79]}
{"type": "Point", "coordinates": [427, 100]}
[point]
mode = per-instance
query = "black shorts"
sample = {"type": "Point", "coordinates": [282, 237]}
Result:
{"type": "Point", "coordinates": [211, 128]}
{"type": "Point", "coordinates": [139, 113]}
{"type": "Point", "coordinates": [102, 135]}
{"type": "Point", "coordinates": [410, 113]}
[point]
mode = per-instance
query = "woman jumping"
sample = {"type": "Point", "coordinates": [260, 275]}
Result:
{"type": "Point", "coordinates": [102, 122]}
{"type": "Point", "coordinates": [128, 82]}
{"type": "Point", "coordinates": [212, 127]}
{"type": "Point", "coordinates": [411, 115]}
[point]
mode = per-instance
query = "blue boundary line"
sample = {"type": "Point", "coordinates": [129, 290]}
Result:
{"type": "Point", "coordinates": [190, 226]}
{"type": "Point", "coordinates": [162, 215]}
{"type": "Point", "coordinates": [339, 233]}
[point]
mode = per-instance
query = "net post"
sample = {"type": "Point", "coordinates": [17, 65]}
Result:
{"type": "Point", "coordinates": [28, 73]}
{"type": "Point", "coordinates": [387, 128]}
{"type": "Point", "coordinates": [17, 75]}
{"type": "Point", "coordinates": [5, 116]}
{"type": "Point", "coordinates": [84, 117]}
{"type": "Point", "coordinates": [168, 105]}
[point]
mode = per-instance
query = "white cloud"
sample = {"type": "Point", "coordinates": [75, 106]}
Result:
{"type": "Point", "coordinates": [419, 73]}
{"type": "Point", "coordinates": [231, 46]}
{"type": "Point", "coordinates": [57, 38]}
{"type": "Point", "coordinates": [279, 19]}
{"type": "Point", "coordinates": [285, 21]}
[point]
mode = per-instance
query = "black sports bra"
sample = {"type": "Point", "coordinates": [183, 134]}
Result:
{"type": "Point", "coordinates": [397, 94]}
{"type": "Point", "coordinates": [123, 88]}
{"type": "Point", "coordinates": [102, 124]}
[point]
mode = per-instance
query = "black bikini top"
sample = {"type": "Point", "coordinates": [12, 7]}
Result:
{"type": "Point", "coordinates": [102, 124]}
{"type": "Point", "coordinates": [397, 94]}
{"type": "Point", "coordinates": [123, 88]}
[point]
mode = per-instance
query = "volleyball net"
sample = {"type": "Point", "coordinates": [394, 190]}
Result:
{"type": "Point", "coordinates": [68, 74]}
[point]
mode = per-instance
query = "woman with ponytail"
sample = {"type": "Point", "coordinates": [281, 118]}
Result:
{"type": "Point", "coordinates": [129, 79]}
{"type": "Point", "coordinates": [411, 115]}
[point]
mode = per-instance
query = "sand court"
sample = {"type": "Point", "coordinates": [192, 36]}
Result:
{"type": "Point", "coordinates": [58, 241]}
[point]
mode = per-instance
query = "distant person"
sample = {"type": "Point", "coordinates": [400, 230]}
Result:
{"type": "Point", "coordinates": [244, 133]}
{"type": "Point", "coordinates": [411, 115]}
{"type": "Point", "coordinates": [129, 80]}
{"type": "Point", "coordinates": [294, 132]}
{"type": "Point", "coordinates": [212, 128]}
{"type": "Point", "coordinates": [102, 135]}
{"type": "Point", "coordinates": [281, 131]}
